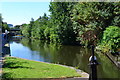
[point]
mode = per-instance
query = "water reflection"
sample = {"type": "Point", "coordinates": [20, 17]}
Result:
{"type": "Point", "coordinates": [107, 69]}
{"type": "Point", "coordinates": [63, 54]}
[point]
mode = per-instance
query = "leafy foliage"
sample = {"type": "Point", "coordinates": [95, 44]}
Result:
{"type": "Point", "coordinates": [60, 17]}
{"type": "Point", "coordinates": [92, 18]}
{"type": "Point", "coordinates": [74, 22]}
{"type": "Point", "coordinates": [56, 28]}
{"type": "Point", "coordinates": [111, 39]}
{"type": "Point", "coordinates": [3, 25]}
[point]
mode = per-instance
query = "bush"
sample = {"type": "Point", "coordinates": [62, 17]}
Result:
{"type": "Point", "coordinates": [111, 39]}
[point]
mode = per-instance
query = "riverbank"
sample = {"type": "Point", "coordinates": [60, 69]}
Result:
{"type": "Point", "coordinates": [114, 59]}
{"type": "Point", "coordinates": [21, 68]}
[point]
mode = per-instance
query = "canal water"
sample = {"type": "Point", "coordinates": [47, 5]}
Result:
{"type": "Point", "coordinates": [75, 56]}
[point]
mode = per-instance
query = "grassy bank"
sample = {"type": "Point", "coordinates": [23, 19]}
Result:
{"type": "Point", "coordinates": [20, 68]}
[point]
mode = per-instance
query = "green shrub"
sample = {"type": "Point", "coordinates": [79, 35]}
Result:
{"type": "Point", "coordinates": [111, 39]}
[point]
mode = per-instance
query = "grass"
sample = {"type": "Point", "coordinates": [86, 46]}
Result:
{"type": "Point", "coordinates": [21, 68]}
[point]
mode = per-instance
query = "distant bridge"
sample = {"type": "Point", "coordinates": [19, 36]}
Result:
{"type": "Point", "coordinates": [14, 32]}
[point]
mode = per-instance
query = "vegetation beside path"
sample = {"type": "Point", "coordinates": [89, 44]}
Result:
{"type": "Point", "coordinates": [21, 68]}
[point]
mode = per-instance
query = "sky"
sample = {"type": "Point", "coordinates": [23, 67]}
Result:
{"type": "Point", "coordinates": [19, 12]}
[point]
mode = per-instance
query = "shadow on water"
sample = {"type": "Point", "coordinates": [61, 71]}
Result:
{"type": "Point", "coordinates": [107, 67]}
{"type": "Point", "coordinates": [75, 56]}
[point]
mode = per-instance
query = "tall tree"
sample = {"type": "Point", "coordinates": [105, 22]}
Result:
{"type": "Point", "coordinates": [92, 18]}
{"type": "Point", "coordinates": [60, 17]}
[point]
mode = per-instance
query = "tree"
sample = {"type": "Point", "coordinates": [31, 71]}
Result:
{"type": "Point", "coordinates": [36, 28]}
{"type": "Point", "coordinates": [0, 23]}
{"type": "Point", "coordinates": [4, 26]}
{"type": "Point", "coordinates": [25, 30]}
{"type": "Point", "coordinates": [92, 18]}
{"type": "Point", "coordinates": [17, 27]}
{"type": "Point", "coordinates": [0, 20]}
{"type": "Point", "coordinates": [71, 22]}
{"type": "Point", "coordinates": [60, 18]}
{"type": "Point", "coordinates": [39, 26]}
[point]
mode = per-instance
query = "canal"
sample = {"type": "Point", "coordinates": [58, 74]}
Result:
{"type": "Point", "coordinates": [75, 56]}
